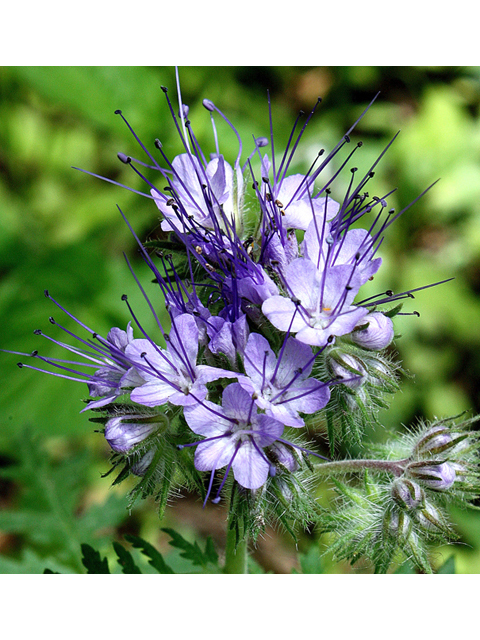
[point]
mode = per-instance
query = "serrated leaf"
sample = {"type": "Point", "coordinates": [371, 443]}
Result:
{"type": "Point", "coordinates": [155, 558]}
{"type": "Point", "coordinates": [92, 560]}
{"type": "Point", "coordinates": [191, 551]}
{"type": "Point", "coordinates": [125, 559]}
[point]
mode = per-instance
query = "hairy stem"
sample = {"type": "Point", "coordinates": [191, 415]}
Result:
{"type": "Point", "coordinates": [351, 466]}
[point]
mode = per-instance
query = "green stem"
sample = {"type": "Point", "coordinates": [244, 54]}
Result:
{"type": "Point", "coordinates": [236, 551]}
{"type": "Point", "coordinates": [236, 554]}
{"type": "Point", "coordinates": [351, 466]}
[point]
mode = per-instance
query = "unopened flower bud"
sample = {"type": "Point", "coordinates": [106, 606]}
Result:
{"type": "Point", "coordinates": [123, 435]}
{"type": "Point", "coordinates": [407, 494]}
{"type": "Point", "coordinates": [431, 519]}
{"type": "Point", "coordinates": [378, 333]}
{"type": "Point", "coordinates": [436, 440]}
{"type": "Point", "coordinates": [140, 467]}
{"type": "Point", "coordinates": [397, 525]}
{"type": "Point", "coordinates": [432, 474]}
{"type": "Point", "coordinates": [348, 368]}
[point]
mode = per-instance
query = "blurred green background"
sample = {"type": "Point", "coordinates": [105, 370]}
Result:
{"type": "Point", "coordinates": [60, 229]}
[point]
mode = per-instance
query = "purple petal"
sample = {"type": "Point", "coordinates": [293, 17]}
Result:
{"type": "Point", "coordinates": [249, 467]}
{"type": "Point", "coordinates": [183, 343]}
{"type": "Point", "coordinates": [214, 454]}
{"type": "Point", "coordinates": [152, 394]}
{"type": "Point", "coordinates": [236, 402]}
{"type": "Point", "coordinates": [281, 312]}
{"type": "Point", "coordinates": [207, 419]}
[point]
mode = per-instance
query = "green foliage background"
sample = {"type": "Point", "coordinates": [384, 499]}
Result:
{"type": "Point", "coordinates": [60, 229]}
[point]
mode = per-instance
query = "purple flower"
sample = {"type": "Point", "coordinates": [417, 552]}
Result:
{"type": "Point", "coordinates": [326, 247]}
{"type": "Point", "coordinates": [320, 304]}
{"type": "Point", "coordinates": [378, 333]}
{"type": "Point", "coordinates": [117, 374]}
{"type": "Point", "coordinates": [297, 206]}
{"type": "Point", "coordinates": [172, 375]}
{"type": "Point", "coordinates": [203, 195]}
{"type": "Point", "coordinates": [235, 436]}
{"type": "Point", "coordinates": [281, 386]}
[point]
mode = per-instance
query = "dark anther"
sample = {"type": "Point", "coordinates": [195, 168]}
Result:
{"type": "Point", "coordinates": [255, 185]}
{"type": "Point", "coordinates": [143, 354]}
{"type": "Point", "coordinates": [371, 174]}
{"type": "Point", "coordinates": [37, 332]}
{"type": "Point", "coordinates": [301, 112]}
{"type": "Point", "coordinates": [348, 288]}
{"type": "Point", "coordinates": [296, 301]}
{"type": "Point", "coordinates": [353, 169]}
{"type": "Point", "coordinates": [321, 152]}
{"type": "Point", "coordinates": [265, 179]}
{"type": "Point", "coordinates": [118, 112]}
{"type": "Point", "coordinates": [124, 158]}
{"type": "Point", "coordinates": [20, 364]}
{"type": "Point", "coordinates": [170, 202]}
{"type": "Point", "coordinates": [34, 353]}
{"type": "Point", "coordinates": [51, 320]}
{"type": "Point", "coordinates": [328, 191]}
{"type": "Point", "coordinates": [46, 293]}
{"type": "Point", "coordinates": [330, 339]}
{"type": "Point", "coordinates": [391, 212]}
{"type": "Point", "coordinates": [124, 297]}
{"type": "Point", "coordinates": [164, 89]}
{"type": "Point", "coordinates": [346, 137]}
{"type": "Point", "coordinates": [357, 256]}
{"type": "Point", "coordinates": [389, 292]}
{"type": "Point", "coordinates": [415, 313]}
{"type": "Point", "coordinates": [94, 335]}
{"type": "Point", "coordinates": [299, 370]}
{"type": "Point", "coordinates": [360, 144]}
{"type": "Point", "coordinates": [157, 143]}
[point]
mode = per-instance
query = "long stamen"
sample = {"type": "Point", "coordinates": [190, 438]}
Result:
{"type": "Point", "coordinates": [216, 500]}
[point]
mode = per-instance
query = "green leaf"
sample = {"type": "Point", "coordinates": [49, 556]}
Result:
{"type": "Point", "coordinates": [191, 551]}
{"type": "Point", "coordinates": [311, 562]}
{"type": "Point", "coordinates": [92, 561]}
{"type": "Point", "coordinates": [155, 558]}
{"type": "Point", "coordinates": [125, 559]}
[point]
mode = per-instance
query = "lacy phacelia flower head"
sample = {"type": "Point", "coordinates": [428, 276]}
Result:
{"type": "Point", "coordinates": [260, 289]}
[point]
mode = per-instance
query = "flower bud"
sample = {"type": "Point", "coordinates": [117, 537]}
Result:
{"type": "Point", "coordinates": [407, 494]}
{"type": "Point", "coordinates": [437, 440]}
{"type": "Point", "coordinates": [140, 467]}
{"type": "Point", "coordinates": [432, 474]}
{"type": "Point", "coordinates": [378, 333]}
{"type": "Point", "coordinates": [397, 525]}
{"type": "Point", "coordinates": [431, 519]}
{"type": "Point", "coordinates": [125, 432]}
{"type": "Point", "coordinates": [348, 368]}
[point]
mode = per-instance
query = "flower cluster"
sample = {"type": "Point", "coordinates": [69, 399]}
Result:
{"type": "Point", "coordinates": [268, 338]}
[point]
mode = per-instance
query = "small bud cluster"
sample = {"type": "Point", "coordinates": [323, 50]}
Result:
{"type": "Point", "coordinates": [403, 511]}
